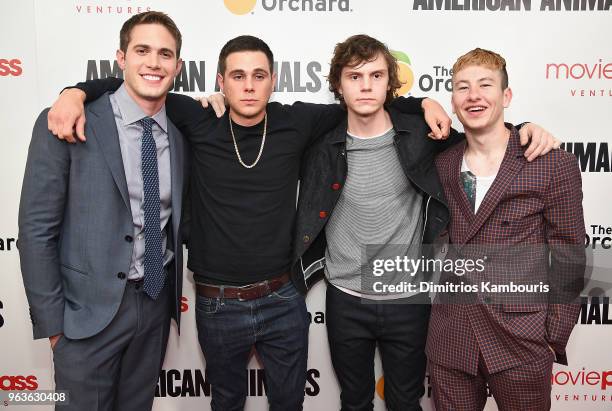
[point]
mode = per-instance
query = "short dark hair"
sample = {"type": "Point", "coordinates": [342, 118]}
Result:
{"type": "Point", "coordinates": [356, 50]}
{"type": "Point", "coordinates": [149, 17]}
{"type": "Point", "coordinates": [244, 43]}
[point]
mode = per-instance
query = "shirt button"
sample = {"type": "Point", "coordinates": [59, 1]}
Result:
{"type": "Point", "coordinates": [129, 238]}
{"type": "Point", "coordinates": [322, 214]}
{"type": "Point", "coordinates": [335, 186]}
{"type": "Point", "coordinates": [121, 276]}
{"type": "Point", "coordinates": [306, 238]}
{"type": "Point", "coordinates": [139, 236]}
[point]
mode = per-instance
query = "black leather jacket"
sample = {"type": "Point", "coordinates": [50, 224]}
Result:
{"type": "Point", "coordinates": [324, 170]}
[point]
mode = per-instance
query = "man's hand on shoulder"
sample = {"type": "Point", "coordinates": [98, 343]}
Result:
{"type": "Point", "coordinates": [436, 118]}
{"type": "Point", "coordinates": [541, 141]}
{"type": "Point", "coordinates": [216, 101]}
{"type": "Point", "coordinates": [66, 119]}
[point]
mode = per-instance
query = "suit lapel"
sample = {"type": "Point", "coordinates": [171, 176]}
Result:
{"type": "Point", "coordinates": [511, 165]}
{"type": "Point", "coordinates": [104, 130]}
{"type": "Point", "coordinates": [457, 187]}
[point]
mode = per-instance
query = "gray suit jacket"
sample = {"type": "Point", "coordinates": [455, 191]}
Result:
{"type": "Point", "coordinates": [75, 226]}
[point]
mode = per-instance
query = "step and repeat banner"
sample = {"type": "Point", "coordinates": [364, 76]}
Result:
{"type": "Point", "coordinates": [560, 68]}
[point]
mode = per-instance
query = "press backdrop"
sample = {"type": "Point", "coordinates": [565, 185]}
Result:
{"type": "Point", "coordinates": [560, 67]}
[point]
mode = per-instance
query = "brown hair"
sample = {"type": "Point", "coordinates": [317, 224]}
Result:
{"type": "Point", "coordinates": [244, 43]}
{"type": "Point", "coordinates": [360, 49]}
{"type": "Point", "coordinates": [149, 17]}
{"type": "Point", "coordinates": [486, 58]}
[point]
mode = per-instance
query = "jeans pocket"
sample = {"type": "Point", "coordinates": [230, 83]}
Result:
{"type": "Point", "coordinates": [286, 292]}
{"type": "Point", "coordinates": [207, 305]}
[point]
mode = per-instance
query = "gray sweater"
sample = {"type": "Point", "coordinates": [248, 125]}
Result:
{"type": "Point", "coordinates": [378, 216]}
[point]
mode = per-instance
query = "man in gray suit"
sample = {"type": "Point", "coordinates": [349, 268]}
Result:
{"type": "Point", "coordinates": [99, 237]}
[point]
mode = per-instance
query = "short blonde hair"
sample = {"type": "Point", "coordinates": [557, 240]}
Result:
{"type": "Point", "coordinates": [486, 58]}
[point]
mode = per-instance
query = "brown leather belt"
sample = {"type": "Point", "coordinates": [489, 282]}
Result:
{"type": "Point", "coordinates": [244, 293]}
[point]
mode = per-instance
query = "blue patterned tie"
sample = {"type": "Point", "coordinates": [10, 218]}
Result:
{"type": "Point", "coordinates": [153, 257]}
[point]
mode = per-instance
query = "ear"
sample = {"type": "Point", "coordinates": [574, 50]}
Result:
{"type": "Point", "coordinates": [120, 55]}
{"type": "Point", "coordinates": [507, 97]}
{"type": "Point", "coordinates": [220, 81]}
{"type": "Point", "coordinates": [179, 66]}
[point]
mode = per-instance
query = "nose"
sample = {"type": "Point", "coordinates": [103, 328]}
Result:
{"type": "Point", "coordinates": [473, 93]}
{"type": "Point", "coordinates": [153, 60]}
{"type": "Point", "coordinates": [248, 84]}
{"type": "Point", "coordinates": [366, 83]}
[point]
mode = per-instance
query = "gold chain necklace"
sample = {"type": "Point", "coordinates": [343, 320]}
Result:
{"type": "Point", "coordinates": [263, 141]}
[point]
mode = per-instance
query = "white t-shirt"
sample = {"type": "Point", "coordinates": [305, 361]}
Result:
{"type": "Point", "coordinates": [475, 187]}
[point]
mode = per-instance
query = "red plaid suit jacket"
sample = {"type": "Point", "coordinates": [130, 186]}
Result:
{"type": "Point", "coordinates": [535, 203]}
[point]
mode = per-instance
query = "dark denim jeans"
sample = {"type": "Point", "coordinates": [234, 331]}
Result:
{"type": "Point", "coordinates": [354, 328]}
{"type": "Point", "coordinates": [276, 325]}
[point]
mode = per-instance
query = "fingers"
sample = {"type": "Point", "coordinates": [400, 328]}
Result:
{"type": "Point", "coordinates": [219, 106]}
{"type": "Point", "coordinates": [60, 127]}
{"type": "Point", "coordinates": [52, 123]}
{"type": "Point", "coordinates": [445, 126]}
{"type": "Point", "coordinates": [436, 118]}
{"type": "Point", "coordinates": [524, 134]}
{"type": "Point", "coordinates": [528, 134]}
{"type": "Point", "coordinates": [536, 148]}
{"type": "Point", "coordinates": [53, 340]}
{"type": "Point", "coordinates": [66, 131]}
{"type": "Point", "coordinates": [80, 128]}
{"type": "Point", "coordinates": [203, 101]}
{"type": "Point", "coordinates": [436, 132]}
{"type": "Point", "coordinates": [541, 142]}
{"type": "Point", "coordinates": [66, 119]}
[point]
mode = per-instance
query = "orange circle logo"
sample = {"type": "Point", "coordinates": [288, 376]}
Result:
{"type": "Point", "coordinates": [406, 76]}
{"type": "Point", "coordinates": [380, 388]}
{"type": "Point", "coordinates": [240, 6]}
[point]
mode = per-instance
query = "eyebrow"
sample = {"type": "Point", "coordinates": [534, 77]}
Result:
{"type": "Point", "coordinates": [382, 70]}
{"type": "Point", "coordinates": [480, 80]}
{"type": "Point", "coordinates": [146, 46]}
{"type": "Point", "coordinates": [243, 71]}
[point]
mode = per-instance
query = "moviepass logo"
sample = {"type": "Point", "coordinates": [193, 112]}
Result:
{"type": "Point", "coordinates": [579, 72]}
{"type": "Point", "coordinates": [128, 8]}
{"type": "Point", "coordinates": [596, 380]}
{"type": "Point", "coordinates": [18, 383]}
{"type": "Point", "coordinates": [10, 67]}
{"type": "Point", "coordinates": [600, 379]}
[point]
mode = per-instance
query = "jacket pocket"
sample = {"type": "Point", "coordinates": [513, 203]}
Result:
{"type": "Point", "coordinates": [523, 308]}
{"type": "Point", "coordinates": [71, 268]}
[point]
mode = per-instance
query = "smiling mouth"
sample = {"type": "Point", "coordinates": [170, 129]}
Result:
{"type": "Point", "coordinates": [476, 109]}
{"type": "Point", "coordinates": [151, 77]}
